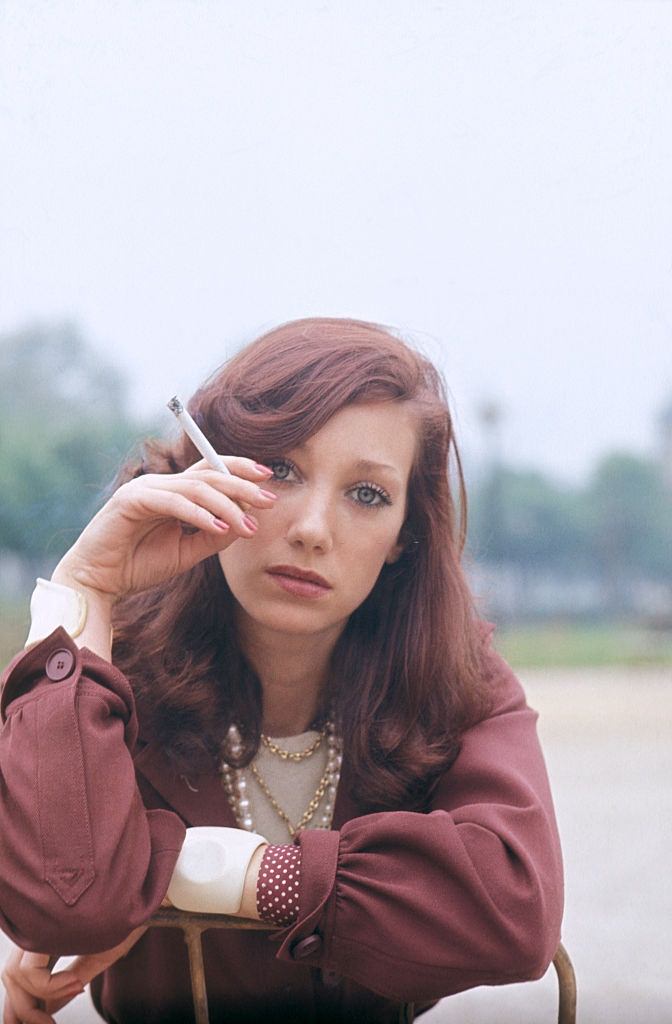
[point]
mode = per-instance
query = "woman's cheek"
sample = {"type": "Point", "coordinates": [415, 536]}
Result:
{"type": "Point", "coordinates": [367, 563]}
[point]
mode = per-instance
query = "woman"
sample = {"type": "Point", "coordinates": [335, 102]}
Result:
{"type": "Point", "coordinates": [305, 664]}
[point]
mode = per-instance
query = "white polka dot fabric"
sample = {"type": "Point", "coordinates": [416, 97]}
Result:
{"type": "Point", "coordinates": [278, 884]}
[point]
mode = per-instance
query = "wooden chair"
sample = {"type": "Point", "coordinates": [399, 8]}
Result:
{"type": "Point", "coordinates": [193, 926]}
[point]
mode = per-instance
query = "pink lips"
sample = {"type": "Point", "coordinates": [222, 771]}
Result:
{"type": "Point", "coordinates": [300, 582]}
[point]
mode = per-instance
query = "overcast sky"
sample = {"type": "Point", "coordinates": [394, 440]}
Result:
{"type": "Point", "coordinates": [493, 178]}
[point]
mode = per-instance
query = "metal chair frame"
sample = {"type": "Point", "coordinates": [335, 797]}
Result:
{"type": "Point", "coordinates": [193, 926]}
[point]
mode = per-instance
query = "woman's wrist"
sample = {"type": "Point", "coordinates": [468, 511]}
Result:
{"type": "Point", "coordinates": [96, 633]}
{"type": "Point", "coordinates": [70, 573]}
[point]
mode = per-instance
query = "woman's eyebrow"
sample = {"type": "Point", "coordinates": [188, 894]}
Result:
{"type": "Point", "coordinates": [369, 466]}
{"type": "Point", "coordinates": [361, 465]}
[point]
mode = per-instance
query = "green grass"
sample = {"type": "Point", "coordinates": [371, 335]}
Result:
{"type": "Point", "coordinates": [569, 645]}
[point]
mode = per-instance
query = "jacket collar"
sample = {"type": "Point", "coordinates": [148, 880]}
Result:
{"type": "Point", "coordinates": [199, 800]}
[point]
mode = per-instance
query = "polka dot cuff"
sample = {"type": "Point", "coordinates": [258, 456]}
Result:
{"type": "Point", "coordinates": [278, 884]}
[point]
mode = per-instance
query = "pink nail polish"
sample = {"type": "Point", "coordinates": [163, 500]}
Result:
{"type": "Point", "coordinates": [220, 524]}
{"type": "Point", "coordinates": [263, 469]}
{"type": "Point", "coordinates": [250, 523]}
{"type": "Point", "coordinates": [268, 494]}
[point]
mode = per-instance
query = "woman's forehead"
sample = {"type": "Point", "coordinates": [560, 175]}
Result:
{"type": "Point", "coordinates": [371, 437]}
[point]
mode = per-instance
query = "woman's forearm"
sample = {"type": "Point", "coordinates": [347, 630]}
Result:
{"type": "Point", "coordinates": [66, 745]}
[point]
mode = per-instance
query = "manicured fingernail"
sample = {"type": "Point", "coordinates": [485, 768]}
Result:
{"type": "Point", "coordinates": [220, 524]}
{"type": "Point", "coordinates": [250, 523]}
{"type": "Point", "coordinates": [263, 469]}
{"type": "Point", "coordinates": [268, 494]}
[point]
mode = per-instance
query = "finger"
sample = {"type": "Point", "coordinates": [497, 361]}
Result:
{"type": "Point", "coordinates": [49, 986]}
{"type": "Point", "coordinates": [88, 966]}
{"type": "Point", "coordinates": [8, 1015]}
{"type": "Point", "coordinates": [12, 961]}
{"type": "Point", "coordinates": [168, 502]}
{"type": "Point", "coordinates": [39, 980]}
{"type": "Point", "coordinates": [36, 959]}
{"type": "Point", "coordinates": [238, 466]}
{"type": "Point", "coordinates": [52, 1006]}
{"type": "Point", "coordinates": [214, 491]}
{"type": "Point", "coordinates": [230, 505]}
{"type": "Point", "coordinates": [24, 1005]}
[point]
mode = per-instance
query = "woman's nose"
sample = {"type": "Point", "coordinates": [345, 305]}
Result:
{"type": "Point", "coordinates": [310, 526]}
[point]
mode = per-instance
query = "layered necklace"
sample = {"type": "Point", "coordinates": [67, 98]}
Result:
{"type": "Point", "coordinates": [236, 788]}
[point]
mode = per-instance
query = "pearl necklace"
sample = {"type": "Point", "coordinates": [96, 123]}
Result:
{"type": "Point", "coordinates": [235, 783]}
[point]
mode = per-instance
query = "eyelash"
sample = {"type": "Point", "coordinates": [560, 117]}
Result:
{"type": "Point", "coordinates": [364, 485]}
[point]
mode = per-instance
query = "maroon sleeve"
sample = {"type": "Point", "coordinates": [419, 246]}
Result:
{"type": "Point", "coordinates": [419, 906]}
{"type": "Point", "coordinates": [82, 862]}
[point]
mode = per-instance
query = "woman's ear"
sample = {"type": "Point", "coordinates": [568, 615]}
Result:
{"type": "Point", "coordinates": [404, 540]}
{"type": "Point", "coordinates": [394, 554]}
{"type": "Point", "coordinates": [406, 543]}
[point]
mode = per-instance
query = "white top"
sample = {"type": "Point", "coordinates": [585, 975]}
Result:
{"type": "Point", "coordinates": [292, 783]}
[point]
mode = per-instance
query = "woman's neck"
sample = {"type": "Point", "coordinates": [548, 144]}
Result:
{"type": "Point", "coordinates": [292, 670]}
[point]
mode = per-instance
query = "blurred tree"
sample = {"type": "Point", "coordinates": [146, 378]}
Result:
{"type": "Point", "coordinates": [64, 430]}
{"type": "Point", "coordinates": [539, 521]}
{"type": "Point", "coordinates": [628, 520]}
{"type": "Point", "coordinates": [44, 367]}
{"type": "Point", "coordinates": [617, 529]}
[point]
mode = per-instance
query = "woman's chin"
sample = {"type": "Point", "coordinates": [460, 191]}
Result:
{"type": "Point", "coordinates": [293, 621]}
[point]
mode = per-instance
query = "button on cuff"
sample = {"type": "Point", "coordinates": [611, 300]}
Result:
{"type": "Point", "coordinates": [306, 947]}
{"type": "Point", "coordinates": [60, 664]}
{"type": "Point", "coordinates": [28, 668]}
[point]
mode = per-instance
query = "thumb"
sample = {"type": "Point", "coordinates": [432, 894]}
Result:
{"type": "Point", "coordinates": [90, 965]}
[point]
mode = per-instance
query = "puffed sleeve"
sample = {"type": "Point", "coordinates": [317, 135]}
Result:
{"type": "Point", "coordinates": [82, 862]}
{"type": "Point", "coordinates": [419, 906]}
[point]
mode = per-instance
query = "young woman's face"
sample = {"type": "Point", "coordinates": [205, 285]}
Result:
{"type": "Point", "coordinates": [341, 505]}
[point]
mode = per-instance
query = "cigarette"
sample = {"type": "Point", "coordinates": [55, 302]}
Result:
{"type": "Point", "coordinates": [193, 431]}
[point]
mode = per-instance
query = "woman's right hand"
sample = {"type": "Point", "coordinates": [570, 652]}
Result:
{"type": "Point", "coordinates": [29, 981]}
{"type": "Point", "coordinates": [138, 540]}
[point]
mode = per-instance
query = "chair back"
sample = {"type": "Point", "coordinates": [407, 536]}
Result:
{"type": "Point", "coordinates": [193, 926]}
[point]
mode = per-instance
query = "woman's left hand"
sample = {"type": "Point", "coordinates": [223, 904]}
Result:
{"type": "Point", "coordinates": [29, 981]}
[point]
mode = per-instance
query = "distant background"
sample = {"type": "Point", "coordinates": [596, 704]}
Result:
{"type": "Point", "coordinates": [489, 178]}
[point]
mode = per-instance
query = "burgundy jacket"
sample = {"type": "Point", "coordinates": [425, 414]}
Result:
{"type": "Point", "coordinates": [399, 906]}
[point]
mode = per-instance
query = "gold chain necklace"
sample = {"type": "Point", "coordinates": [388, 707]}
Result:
{"type": "Point", "coordinates": [290, 755]}
{"type": "Point", "coordinates": [235, 786]}
{"type": "Point", "coordinates": [310, 809]}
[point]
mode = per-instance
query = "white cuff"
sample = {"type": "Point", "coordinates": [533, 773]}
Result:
{"type": "Point", "coordinates": [209, 876]}
{"type": "Point", "coordinates": [52, 605]}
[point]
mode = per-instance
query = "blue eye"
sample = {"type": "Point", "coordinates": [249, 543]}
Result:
{"type": "Point", "coordinates": [282, 468]}
{"type": "Point", "coordinates": [367, 495]}
{"type": "Point", "coordinates": [370, 495]}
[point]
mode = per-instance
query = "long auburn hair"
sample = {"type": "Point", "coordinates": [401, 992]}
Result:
{"type": "Point", "coordinates": [406, 675]}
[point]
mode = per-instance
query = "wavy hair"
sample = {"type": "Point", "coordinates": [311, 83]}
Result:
{"type": "Point", "coordinates": [414, 646]}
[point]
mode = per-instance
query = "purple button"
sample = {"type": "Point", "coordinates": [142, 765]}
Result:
{"type": "Point", "coordinates": [307, 947]}
{"type": "Point", "coordinates": [60, 664]}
